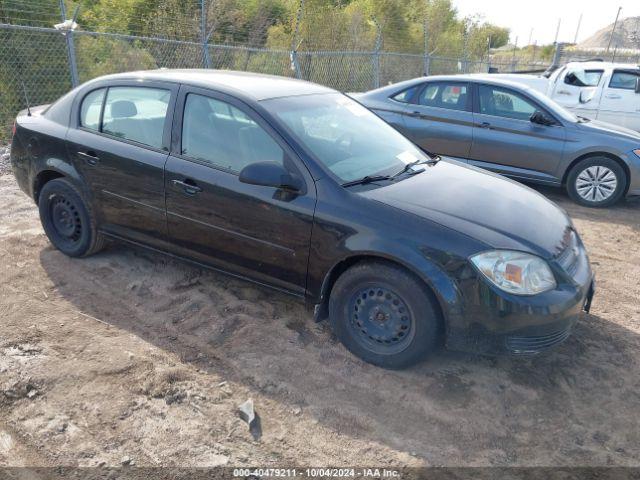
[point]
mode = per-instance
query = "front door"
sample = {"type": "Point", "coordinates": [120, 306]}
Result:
{"type": "Point", "coordinates": [439, 118]}
{"type": "Point", "coordinates": [255, 231]}
{"type": "Point", "coordinates": [120, 146]}
{"type": "Point", "coordinates": [579, 89]}
{"type": "Point", "coordinates": [620, 104]}
{"type": "Point", "coordinates": [506, 141]}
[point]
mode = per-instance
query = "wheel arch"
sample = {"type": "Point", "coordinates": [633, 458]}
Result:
{"type": "Point", "coordinates": [42, 178]}
{"type": "Point", "coordinates": [442, 302]}
{"type": "Point", "coordinates": [611, 156]}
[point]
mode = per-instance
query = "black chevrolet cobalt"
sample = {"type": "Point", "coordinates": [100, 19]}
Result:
{"type": "Point", "coordinates": [295, 186]}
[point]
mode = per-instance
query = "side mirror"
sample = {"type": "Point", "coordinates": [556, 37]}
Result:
{"type": "Point", "coordinates": [270, 174]}
{"type": "Point", "coordinates": [638, 85]}
{"type": "Point", "coordinates": [540, 118]}
{"type": "Point", "coordinates": [587, 95]}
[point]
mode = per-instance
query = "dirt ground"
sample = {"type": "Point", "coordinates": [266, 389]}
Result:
{"type": "Point", "coordinates": [129, 357]}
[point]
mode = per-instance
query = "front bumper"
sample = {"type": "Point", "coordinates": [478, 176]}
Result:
{"type": "Point", "coordinates": [495, 322]}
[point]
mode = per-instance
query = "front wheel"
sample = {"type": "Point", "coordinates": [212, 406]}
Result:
{"type": "Point", "coordinates": [596, 182]}
{"type": "Point", "coordinates": [384, 315]}
{"type": "Point", "coordinates": [67, 219]}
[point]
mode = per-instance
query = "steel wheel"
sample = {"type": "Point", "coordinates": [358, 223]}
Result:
{"type": "Point", "coordinates": [596, 183]}
{"type": "Point", "coordinates": [381, 320]}
{"type": "Point", "coordinates": [65, 219]}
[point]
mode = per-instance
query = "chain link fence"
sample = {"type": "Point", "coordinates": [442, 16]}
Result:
{"type": "Point", "coordinates": [41, 63]}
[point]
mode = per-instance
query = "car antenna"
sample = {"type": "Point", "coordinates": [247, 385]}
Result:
{"type": "Point", "coordinates": [26, 98]}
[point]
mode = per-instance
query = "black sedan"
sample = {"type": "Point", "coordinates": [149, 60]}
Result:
{"type": "Point", "coordinates": [296, 186]}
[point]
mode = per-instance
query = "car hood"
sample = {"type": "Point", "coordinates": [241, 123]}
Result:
{"type": "Point", "coordinates": [597, 126]}
{"type": "Point", "coordinates": [487, 207]}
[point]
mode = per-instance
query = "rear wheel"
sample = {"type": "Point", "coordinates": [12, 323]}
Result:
{"type": "Point", "coordinates": [596, 182]}
{"type": "Point", "coordinates": [384, 315]}
{"type": "Point", "coordinates": [67, 220]}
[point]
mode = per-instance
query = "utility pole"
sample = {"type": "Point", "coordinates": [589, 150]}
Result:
{"type": "Point", "coordinates": [615, 24]}
{"type": "Point", "coordinates": [575, 40]}
{"type": "Point", "coordinates": [530, 36]}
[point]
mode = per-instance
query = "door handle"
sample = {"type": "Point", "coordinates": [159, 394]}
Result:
{"type": "Point", "coordinates": [486, 125]}
{"type": "Point", "coordinates": [613, 96]}
{"type": "Point", "coordinates": [564, 92]}
{"type": "Point", "coordinates": [417, 114]}
{"type": "Point", "coordinates": [90, 157]}
{"type": "Point", "coordinates": [189, 186]}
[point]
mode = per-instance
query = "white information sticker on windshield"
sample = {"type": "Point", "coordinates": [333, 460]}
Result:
{"type": "Point", "coordinates": [355, 108]}
{"type": "Point", "coordinates": [406, 157]}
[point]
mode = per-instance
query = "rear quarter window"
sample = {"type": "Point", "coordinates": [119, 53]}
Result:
{"type": "Point", "coordinates": [91, 108]}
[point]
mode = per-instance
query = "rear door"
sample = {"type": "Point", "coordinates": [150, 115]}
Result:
{"type": "Point", "coordinates": [439, 118]}
{"type": "Point", "coordinates": [506, 141]}
{"type": "Point", "coordinates": [120, 144]}
{"type": "Point", "coordinates": [255, 231]}
{"type": "Point", "coordinates": [620, 104]}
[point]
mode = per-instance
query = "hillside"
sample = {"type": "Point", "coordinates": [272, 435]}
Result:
{"type": "Point", "coordinates": [626, 36]}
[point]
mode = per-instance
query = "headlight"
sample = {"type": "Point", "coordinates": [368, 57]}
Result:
{"type": "Point", "coordinates": [515, 272]}
{"type": "Point", "coordinates": [637, 152]}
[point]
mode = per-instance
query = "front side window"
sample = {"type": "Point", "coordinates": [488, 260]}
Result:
{"type": "Point", "coordinates": [504, 103]}
{"type": "Point", "coordinates": [624, 80]}
{"type": "Point", "coordinates": [91, 108]}
{"type": "Point", "coordinates": [583, 78]}
{"type": "Point", "coordinates": [137, 114]}
{"type": "Point", "coordinates": [220, 134]}
{"type": "Point", "coordinates": [452, 96]}
{"type": "Point", "coordinates": [342, 135]}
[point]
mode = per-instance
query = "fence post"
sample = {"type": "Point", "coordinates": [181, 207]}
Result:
{"type": "Point", "coordinates": [295, 63]}
{"type": "Point", "coordinates": [557, 54]}
{"type": "Point", "coordinates": [465, 48]}
{"type": "Point", "coordinates": [427, 57]}
{"type": "Point", "coordinates": [375, 57]}
{"type": "Point", "coordinates": [71, 49]}
{"type": "Point", "coordinates": [204, 37]}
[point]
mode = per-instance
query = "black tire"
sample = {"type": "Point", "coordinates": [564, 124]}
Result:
{"type": "Point", "coordinates": [366, 309]}
{"type": "Point", "coordinates": [67, 219]}
{"type": "Point", "coordinates": [584, 169]}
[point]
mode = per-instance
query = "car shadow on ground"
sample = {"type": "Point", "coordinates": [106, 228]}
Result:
{"type": "Point", "coordinates": [577, 404]}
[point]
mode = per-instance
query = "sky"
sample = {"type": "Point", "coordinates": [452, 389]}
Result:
{"type": "Point", "coordinates": [542, 15]}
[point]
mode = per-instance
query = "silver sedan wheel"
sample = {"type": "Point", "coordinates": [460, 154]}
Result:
{"type": "Point", "coordinates": [596, 183]}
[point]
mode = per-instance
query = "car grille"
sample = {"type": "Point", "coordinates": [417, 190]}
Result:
{"type": "Point", "coordinates": [570, 251]}
{"type": "Point", "coordinates": [520, 345]}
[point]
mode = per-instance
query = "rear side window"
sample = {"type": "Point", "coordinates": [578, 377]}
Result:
{"type": "Point", "coordinates": [504, 103]}
{"type": "Point", "coordinates": [90, 110]}
{"type": "Point", "coordinates": [583, 78]}
{"type": "Point", "coordinates": [405, 96]}
{"type": "Point", "coordinates": [452, 96]}
{"type": "Point", "coordinates": [624, 80]}
{"type": "Point", "coordinates": [137, 114]}
{"type": "Point", "coordinates": [220, 134]}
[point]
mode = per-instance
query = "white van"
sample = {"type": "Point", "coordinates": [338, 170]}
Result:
{"type": "Point", "coordinates": [603, 91]}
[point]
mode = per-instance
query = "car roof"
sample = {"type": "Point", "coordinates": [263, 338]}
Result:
{"type": "Point", "coordinates": [251, 85]}
{"type": "Point", "coordinates": [486, 78]}
{"type": "Point", "coordinates": [596, 65]}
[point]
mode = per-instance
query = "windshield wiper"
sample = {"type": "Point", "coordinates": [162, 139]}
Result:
{"type": "Point", "coordinates": [409, 166]}
{"type": "Point", "coordinates": [367, 179]}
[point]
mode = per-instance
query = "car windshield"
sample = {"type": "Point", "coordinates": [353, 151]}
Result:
{"type": "Point", "coordinates": [348, 139]}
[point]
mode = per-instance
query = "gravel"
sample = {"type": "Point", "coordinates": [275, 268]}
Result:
{"type": "Point", "coordinates": [5, 165]}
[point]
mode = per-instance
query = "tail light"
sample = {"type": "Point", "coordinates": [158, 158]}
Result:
{"type": "Point", "coordinates": [13, 129]}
